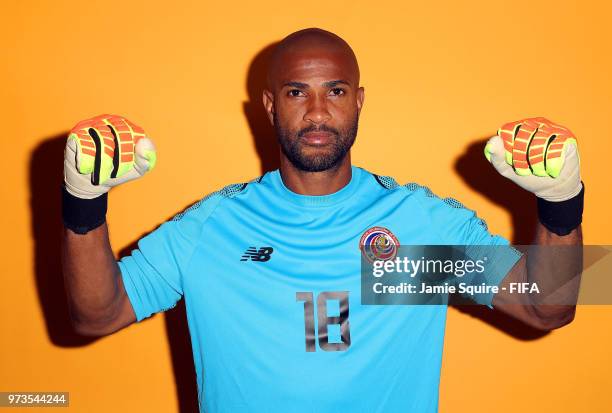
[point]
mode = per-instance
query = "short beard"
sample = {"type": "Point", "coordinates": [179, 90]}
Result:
{"type": "Point", "coordinates": [292, 146]}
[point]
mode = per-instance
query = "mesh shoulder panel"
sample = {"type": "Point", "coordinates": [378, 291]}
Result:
{"type": "Point", "coordinates": [386, 181]}
{"type": "Point", "coordinates": [390, 183]}
{"type": "Point", "coordinates": [448, 201]}
{"type": "Point", "coordinates": [226, 192]}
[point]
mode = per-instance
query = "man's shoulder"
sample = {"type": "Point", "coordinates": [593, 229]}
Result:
{"type": "Point", "coordinates": [206, 205]}
{"type": "Point", "coordinates": [417, 192]}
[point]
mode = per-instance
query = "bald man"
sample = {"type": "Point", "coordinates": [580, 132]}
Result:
{"type": "Point", "coordinates": [270, 270]}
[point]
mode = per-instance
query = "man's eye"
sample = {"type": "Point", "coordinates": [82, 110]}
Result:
{"type": "Point", "coordinates": [337, 91]}
{"type": "Point", "coordinates": [294, 92]}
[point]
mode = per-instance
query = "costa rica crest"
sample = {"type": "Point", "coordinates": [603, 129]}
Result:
{"type": "Point", "coordinates": [378, 243]}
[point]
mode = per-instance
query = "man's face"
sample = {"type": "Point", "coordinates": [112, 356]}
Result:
{"type": "Point", "coordinates": [314, 108]}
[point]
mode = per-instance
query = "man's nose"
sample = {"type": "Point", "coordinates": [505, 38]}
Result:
{"type": "Point", "coordinates": [317, 112]}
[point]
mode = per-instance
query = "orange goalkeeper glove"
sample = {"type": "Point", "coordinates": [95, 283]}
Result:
{"type": "Point", "coordinates": [103, 152]}
{"type": "Point", "coordinates": [539, 156]}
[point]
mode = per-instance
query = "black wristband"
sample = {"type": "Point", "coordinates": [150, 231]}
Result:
{"type": "Point", "coordinates": [561, 217]}
{"type": "Point", "coordinates": [83, 215]}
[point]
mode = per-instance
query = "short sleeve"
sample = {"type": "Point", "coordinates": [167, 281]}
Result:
{"type": "Point", "coordinates": [153, 273]}
{"type": "Point", "coordinates": [500, 257]}
{"type": "Point", "coordinates": [458, 225]}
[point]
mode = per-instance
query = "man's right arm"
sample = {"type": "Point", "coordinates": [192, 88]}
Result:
{"type": "Point", "coordinates": [97, 299]}
{"type": "Point", "coordinates": [101, 152]}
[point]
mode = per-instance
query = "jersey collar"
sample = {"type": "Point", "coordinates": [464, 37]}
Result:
{"type": "Point", "coordinates": [317, 200]}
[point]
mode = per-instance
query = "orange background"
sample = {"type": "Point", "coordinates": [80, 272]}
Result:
{"type": "Point", "coordinates": [439, 79]}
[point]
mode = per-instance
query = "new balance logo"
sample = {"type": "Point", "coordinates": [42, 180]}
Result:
{"type": "Point", "coordinates": [260, 255]}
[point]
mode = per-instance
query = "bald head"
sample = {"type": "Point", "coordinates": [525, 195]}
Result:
{"type": "Point", "coordinates": [313, 100]}
{"type": "Point", "coordinates": [308, 44]}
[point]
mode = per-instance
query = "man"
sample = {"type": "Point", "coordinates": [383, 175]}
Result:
{"type": "Point", "coordinates": [270, 269]}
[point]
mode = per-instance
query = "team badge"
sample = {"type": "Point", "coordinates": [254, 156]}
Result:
{"type": "Point", "coordinates": [378, 243]}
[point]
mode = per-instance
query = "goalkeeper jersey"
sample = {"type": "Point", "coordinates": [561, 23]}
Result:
{"type": "Point", "coordinates": [271, 283]}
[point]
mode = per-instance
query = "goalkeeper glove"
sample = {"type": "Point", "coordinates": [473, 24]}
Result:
{"type": "Point", "coordinates": [542, 157]}
{"type": "Point", "coordinates": [100, 153]}
{"type": "Point", "coordinates": [539, 156]}
{"type": "Point", "coordinates": [103, 152]}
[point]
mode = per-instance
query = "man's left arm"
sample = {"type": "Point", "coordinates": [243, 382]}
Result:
{"type": "Point", "coordinates": [550, 271]}
{"type": "Point", "coordinates": [542, 157]}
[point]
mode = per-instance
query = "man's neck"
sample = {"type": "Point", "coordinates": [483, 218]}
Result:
{"type": "Point", "coordinates": [316, 183]}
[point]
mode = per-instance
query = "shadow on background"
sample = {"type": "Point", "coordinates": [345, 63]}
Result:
{"type": "Point", "coordinates": [46, 177]}
{"type": "Point", "coordinates": [479, 175]}
{"type": "Point", "coordinates": [262, 131]}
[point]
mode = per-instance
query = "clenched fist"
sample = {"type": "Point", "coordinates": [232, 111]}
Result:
{"type": "Point", "coordinates": [539, 156]}
{"type": "Point", "coordinates": [103, 152]}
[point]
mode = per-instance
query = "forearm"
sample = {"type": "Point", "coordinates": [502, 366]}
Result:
{"type": "Point", "coordinates": [92, 278]}
{"type": "Point", "coordinates": [555, 266]}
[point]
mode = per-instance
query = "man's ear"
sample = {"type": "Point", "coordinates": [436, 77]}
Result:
{"type": "Point", "coordinates": [360, 98]}
{"type": "Point", "coordinates": [268, 102]}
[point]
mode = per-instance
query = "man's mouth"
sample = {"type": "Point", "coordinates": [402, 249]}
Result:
{"type": "Point", "coordinates": [317, 138]}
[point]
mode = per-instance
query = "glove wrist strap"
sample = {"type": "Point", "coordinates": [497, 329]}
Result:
{"type": "Point", "coordinates": [83, 215]}
{"type": "Point", "coordinates": [561, 217]}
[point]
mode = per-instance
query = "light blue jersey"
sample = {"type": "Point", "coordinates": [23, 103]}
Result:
{"type": "Point", "coordinates": [271, 282]}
